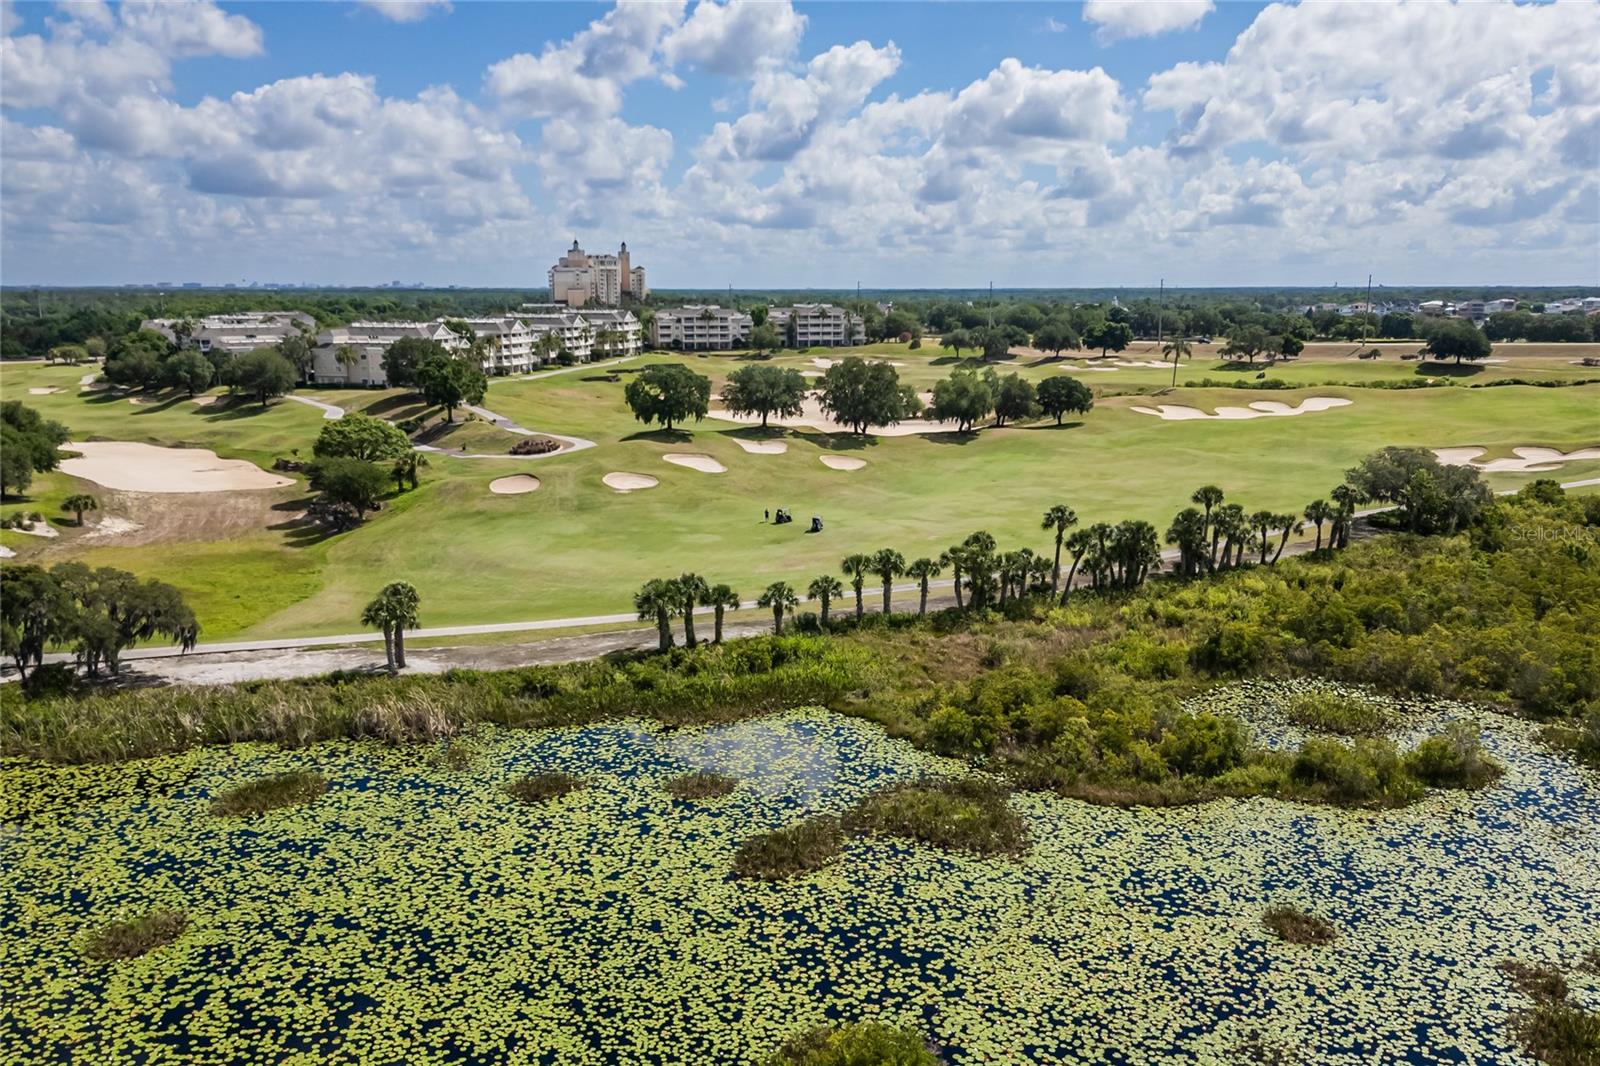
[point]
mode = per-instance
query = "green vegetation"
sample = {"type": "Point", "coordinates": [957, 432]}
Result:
{"type": "Point", "coordinates": [133, 937]}
{"type": "Point", "coordinates": [1291, 924]}
{"type": "Point", "coordinates": [542, 787]}
{"type": "Point", "coordinates": [97, 613]}
{"type": "Point", "coordinates": [393, 610]}
{"type": "Point", "coordinates": [1350, 715]}
{"type": "Point", "coordinates": [964, 814]}
{"type": "Point", "coordinates": [791, 851]}
{"type": "Point", "coordinates": [701, 785]}
{"type": "Point", "coordinates": [668, 393]}
{"type": "Point", "coordinates": [1556, 1030]}
{"type": "Point", "coordinates": [860, 1044]}
{"type": "Point", "coordinates": [28, 446]}
{"type": "Point", "coordinates": [765, 391]}
{"type": "Point", "coordinates": [255, 798]}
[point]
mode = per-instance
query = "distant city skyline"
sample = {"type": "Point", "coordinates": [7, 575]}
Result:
{"type": "Point", "coordinates": [806, 146]}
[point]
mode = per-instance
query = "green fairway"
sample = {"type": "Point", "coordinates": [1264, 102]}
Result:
{"type": "Point", "coordinates": [576, 547]}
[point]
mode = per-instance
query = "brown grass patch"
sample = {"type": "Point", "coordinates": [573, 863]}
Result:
{"type": "Point", "coordinates": [1296, 926]}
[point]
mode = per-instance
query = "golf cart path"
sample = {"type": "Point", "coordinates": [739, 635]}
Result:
{"type": "Point", "coordinates": [333, 412]}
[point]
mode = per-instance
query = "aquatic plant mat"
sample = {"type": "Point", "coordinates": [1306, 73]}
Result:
{"type": "Point", "coordinates": [414, 914]}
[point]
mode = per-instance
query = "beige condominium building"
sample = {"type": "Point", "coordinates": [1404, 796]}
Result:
{"type": "Point", "coordinates": [353, 354]}
{"type": "Point", "coordinates": [818, 326]}
{"type": "Point", "coordinates": [579, 279]}
{"type": "Point", "coordinates": [614, 332]}
{"type": "Point", "coordinates": [237, 333]}
{"type": "Point", "coordinates": [700, 328]}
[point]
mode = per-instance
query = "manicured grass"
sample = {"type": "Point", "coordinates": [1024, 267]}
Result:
{"type": "Point", "coordinates": [576, 548]}
{"type": "Point", "coordinates": [255, 798]}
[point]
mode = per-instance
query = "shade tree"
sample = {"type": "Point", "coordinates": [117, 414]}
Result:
{"type": "Point", "coordinates": [765, 390]}
{"type": "Point", "coordinates": [1062, 394]}
{"type": "Point", "coordinates": [668, 393]}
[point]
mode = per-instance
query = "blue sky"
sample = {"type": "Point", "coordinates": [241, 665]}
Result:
{"type": "Point", "coordinates": [900, 145]}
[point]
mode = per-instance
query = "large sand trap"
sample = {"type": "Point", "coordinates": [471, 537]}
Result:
{"type": "Point", "coordinates": [812, 416]}
{"type": "Point", "coordinates": [703, 463]}
{"type": "Point", "coordinates": [205, 401]}
{"type": "Point", "coordinates": [1259, 409]}
{"type": "Point", "coordinates": [1144, 363]}
{"type": "Point", "coordinates": [147, 468]}
{"type": "Point", "coordinates": [824, 362]}
{"type": "Point", "coordinates": [624, 482]}
{"type": "Point", "coordinates": [763, 447]}
{"type": "Point", "coordinates": [514, 485]}
{"type": "Point", "coordinates": [43, 391]}
{"type": "Point", "coordinates": [842, 462]}
{"type": "Point", "coordinates": [1529, 460]}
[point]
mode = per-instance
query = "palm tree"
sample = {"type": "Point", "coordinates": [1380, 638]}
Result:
{"type": "Point", "coordinates": [346, 356]}
{"type": "Point", "coordinates": [888, 564]}
{"type": "Point", "coordinates": [1188, 532]}
{"type": "Point", "coordinates": [956, 557]}
{"type": "Point", "coordinates": [393, 610]}
{"type": "Point", "coordinates": [924, 570]}
{"type": "Point", "coordinates": [856, 568]}
{"type": "Point", "coordinates": [780, 597]}
{"type": "Point", "coordinates": [405, 469]}
{"type": "Point", "coordinates": [655, 601]}
{"type": "Point", "coordinates": [978, 555]}
{"type": "Point", "coordinates": [1175, 349]}
{"type": "Point", "coordinates": [1347, 498]}
{"type": "Point", "coordinates": [1078, 544]}
{"type": "Point", "coordinates": [824, 587]}
{"type": "Point", "coordinates": [1262, 523]}
{"type": "Point", "coordinates": [721, 598]}
{"type": "Point", "coordinates": [1288, 526]}
{"type": "Point", "coordinates": [1318, 512]}
{"type": "Point", "coordinates": [1059, 518]}
{"type": "Point", "coordinates": [692, 590]}
{"type": "Point", "coordinates": [78, 503]}
{"type": "Point", "coordinates": [1230, 525]}
{"type": "Point", "coordinates": [1208, 496]}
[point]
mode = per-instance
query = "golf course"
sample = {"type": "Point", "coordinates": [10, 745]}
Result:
{"type": "Point", "coordinates": [490, 537]}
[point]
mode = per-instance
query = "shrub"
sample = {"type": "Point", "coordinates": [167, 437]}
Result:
{"type": "Point", "coordinates": [1204, 744]}
{"type": "Point", "coordinates": [255, 798]}
{"type": "Point", "coordinates": [1296, 926]}
{"type": "Point", "coordinates": [1453, 759]}
{"type": "Point", "coordinates": [791, 851]}
{"type": "Point", "coordinates": [965, 814]}
{"type": "Point", "coordinates": [860, 1044]}
{"type": "Point", "coordinates": [701, 785]}
{"type": "Point", "coordinates": [50, 680]}
{"type": "Point", "coordinates": [1231, 648]}
{"type": "Point", "coordinates": [136, 936]}
{"type": "Point", "coordinates": [1538, 981]}
{"type": "Point", "coordinates": [1366, 772]}
{"type": "Point", "coordinates": [541, 788]}
{"type": "Point", "coordinates": [1333, 712]}
{"type": "Point", "coordinates": [1560, 1034]}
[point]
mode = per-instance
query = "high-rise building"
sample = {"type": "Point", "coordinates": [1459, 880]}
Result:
{"type": "Point", "coordinates": [579, 278]}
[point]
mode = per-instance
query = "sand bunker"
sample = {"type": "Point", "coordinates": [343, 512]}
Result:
{"type": "Point", "coordinates": [842, 462]}
{"type": "Point", "coordinates": [147, 468]}
{"type": "Point", "coordinates": [824, 362]}
{"type": "Point", "coordinates": [138, 401]}
{"type": "Point", "coordinates": [7, 553]}
{"type": "Point", "coordinates": [812, 416]}
{"type": "Point", "coordinates": [1097, 369]}
{"type": "Point", "coordinates": [205, 401]}
{"type": "Point", "coordinates": [1259, 409]}
{"type": "Point", "coordinates": [1144, 363]}
{"type": "Point", "coordinates": [514, 485]}
{"type": "Point", "coordinates": [1529, 460]}
{"type": "Point", "coordinates": [703, 463]}
{"type": "Point", "coordinates": [811, 373]}
{"type": "Point", "coordinates": [624, 482]}
{"type": "Point", "coordinates": [763, 447]}
{"type": "Point", "coordinates": [43, 391]}
{"type": "Point", "coordinates": [38, 529]}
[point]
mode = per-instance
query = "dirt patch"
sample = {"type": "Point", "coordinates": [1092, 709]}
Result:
{"type": "Point", "coordinates": [148, 468]}
{"type": "Point", "coordinates": [514, 485]}
{"type": "Point", "coordinates": [763, 447]}
{"type": "Point", "coordinates": [622, 481]}
{"type": "Point", "coordinates": [112, 527]}
{"type": "Point", "coordinates": [842, 462]}
{"type": "Point", "coordinates": [703, 463]}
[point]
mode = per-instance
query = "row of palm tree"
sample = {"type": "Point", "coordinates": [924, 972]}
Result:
{"type": "Point", "coordinates": [660, 600]}
{"type": "Point", "coordinates": [1214, 535]}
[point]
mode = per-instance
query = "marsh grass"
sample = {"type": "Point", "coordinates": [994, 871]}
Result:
{"type": "Point", "coordinates": [1537, 980]}
{"type": "Point", "coordinates": [255, 798]}
{"type": "Point", "coordinates": [791, 851]}
{"type": "Point", "coordinates": [701, 785]}
{"type": "Point", "coordinates": [456, 755]}
{"type": "Point", "coordinates": [1295, 926]}
{"type": "Point", "coordinates": [963, 814]}
{"type": "Point", "coordinates": [859, 1044]}
{"type": "Point", "coordinates": [1334, 712]}
{"type": "Point", "coordinates": [541, 788]}
{"type": "Point", "coordinates": [1560, 1034]}
{"type": "Point", "coordinates": [136, 936]}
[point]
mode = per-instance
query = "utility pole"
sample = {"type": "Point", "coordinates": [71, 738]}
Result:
{"type": "Point", "coordinates": [1366, 313]}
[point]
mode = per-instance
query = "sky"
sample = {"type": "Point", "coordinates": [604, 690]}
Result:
{"type": "Point", "coordinates": [776, 145]}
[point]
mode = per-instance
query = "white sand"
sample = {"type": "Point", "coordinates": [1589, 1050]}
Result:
{"type": "Point", "coordinates": [1145, 363]}
{"type": "Point", "coordinates": [514, 485]}
{"type": "Point", "coordinates": [1096, 369]}
{"type": "Point", "coordinates": [1529, 460]}
{"type": "Point", "coordinates": [44, 391]}
{"type": "Point", "coordinates": [623, 482]}
{"type": "Point", "coordinates": [811, 373]}
{"type": "Point", "coordinates": [147, 468]}
{"type": "Point", "coordinates": [1258, 409]}
{"type": "Point", "coordinates": [205, 401]}
{"type": "Point", "coordinates": [763, 447]}
{"type": "Point", "coordinates": [138, 401]}
{"type": "Point", "coordinates": [112, 527]}
{"type": "Point", "coordinates": [38, 529]}
{"type": "Point", "coordinates": [88, 379]}
{"type": "Point", "coordinates": [824, 362]}
{"type": "Point", "coordinates": [703, 463]}
{"type": "Point", "coordinates": [812, 416]}
{"type": "Point", "coordinates": [6, 553]}
{"type": "Point", "coordinates": [842, 462]}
